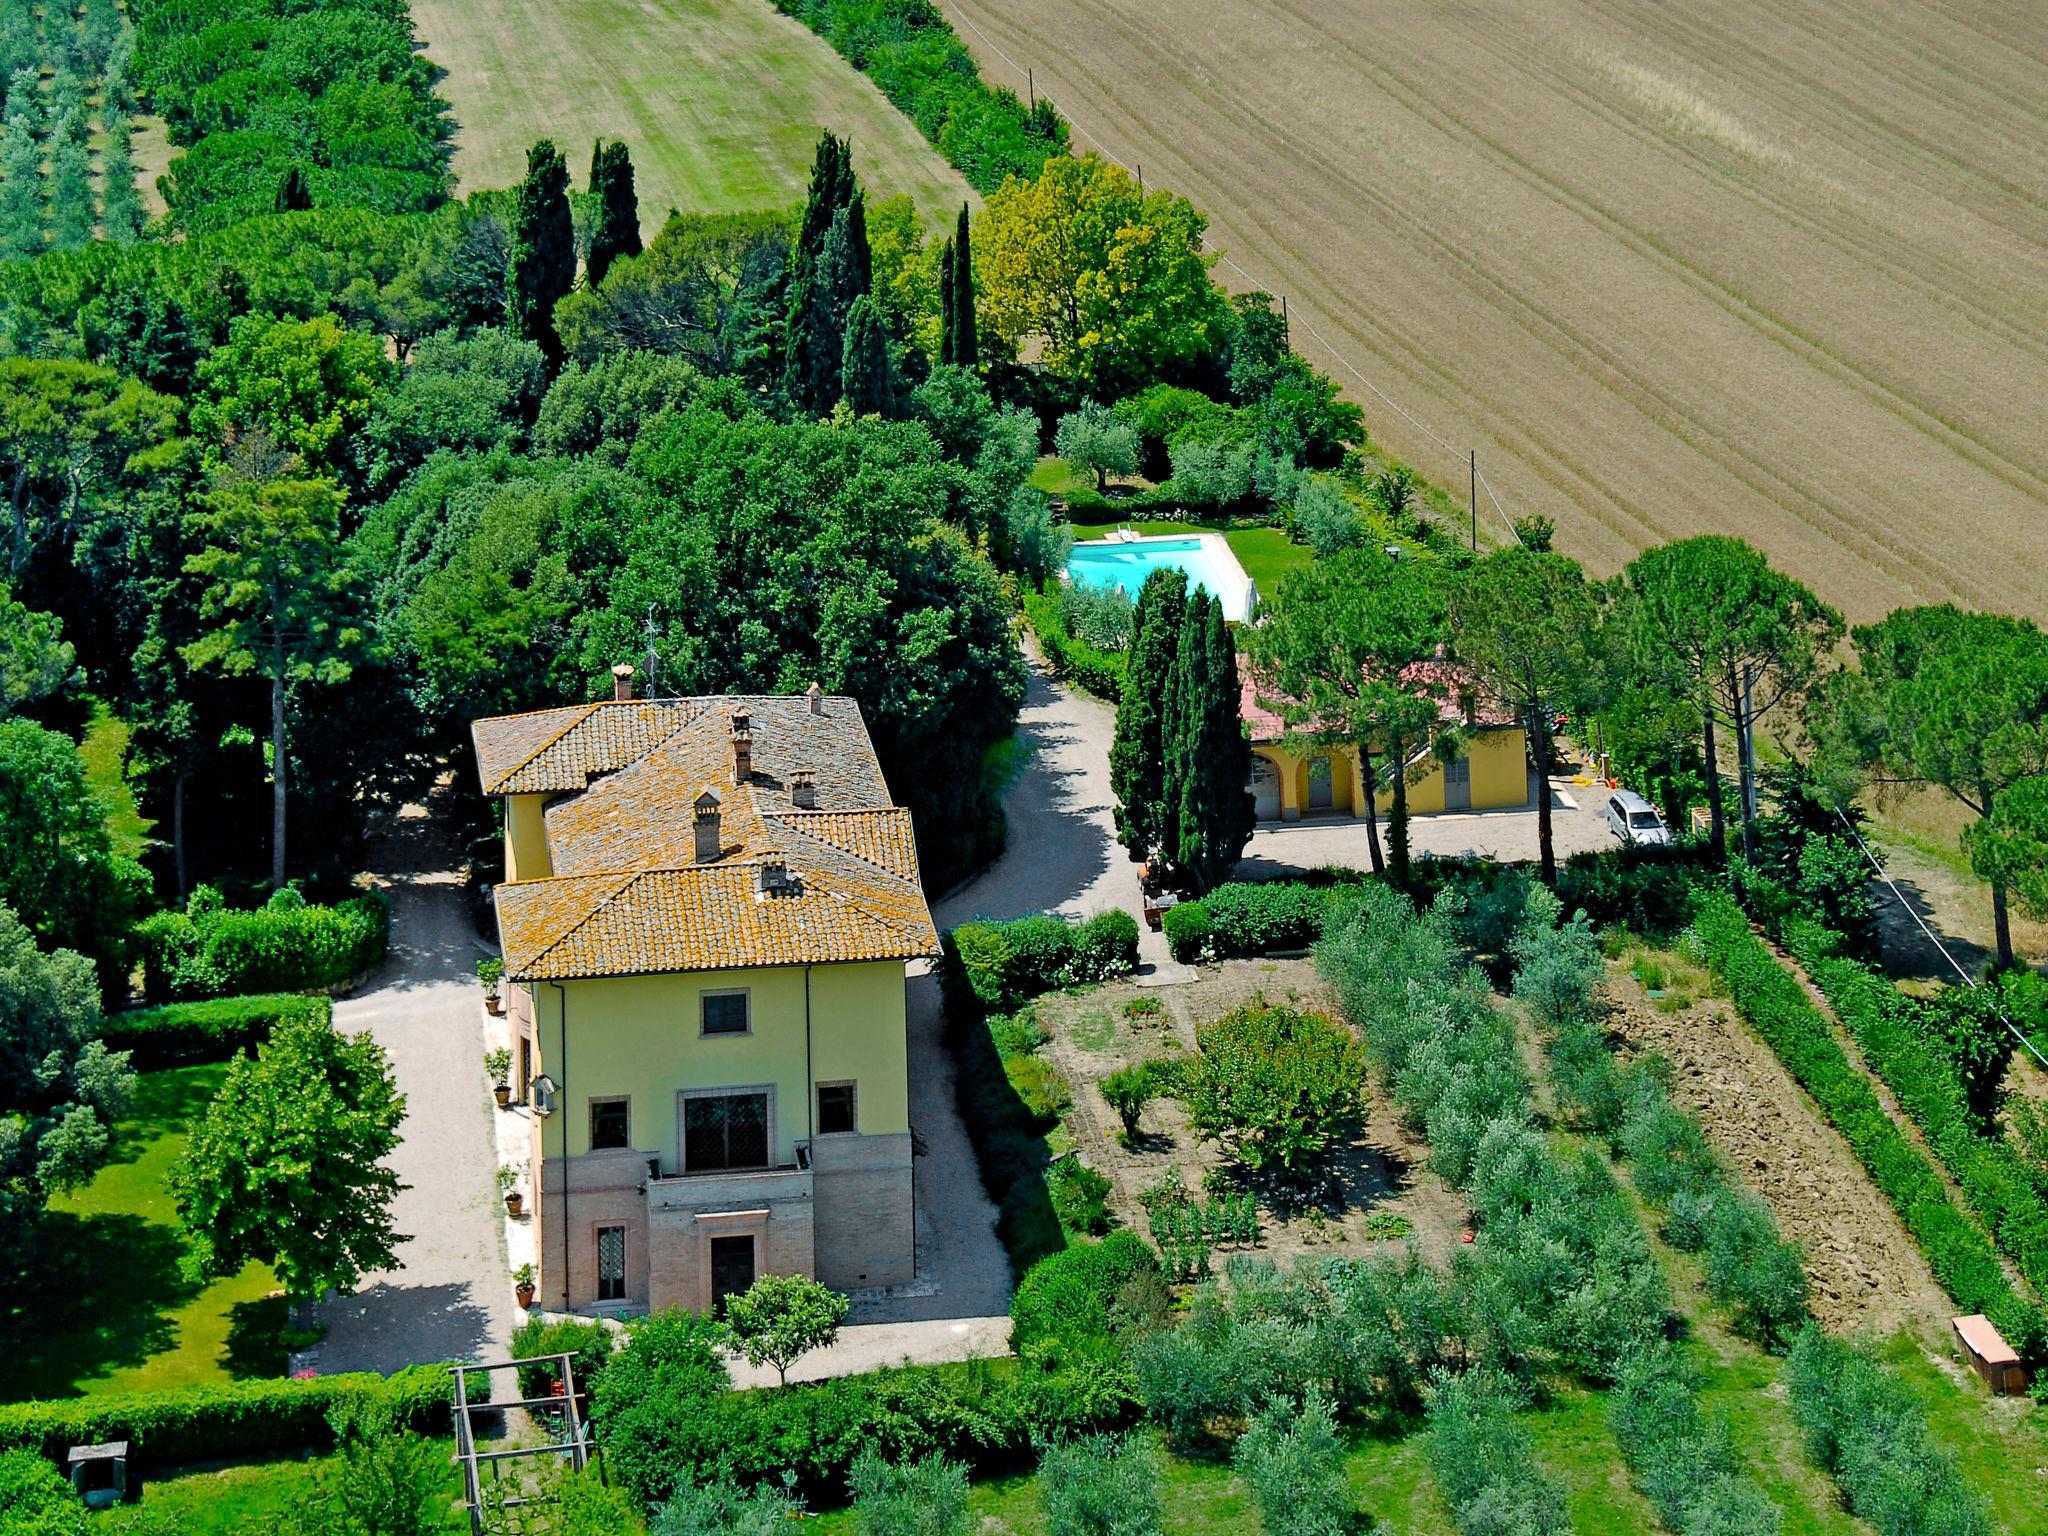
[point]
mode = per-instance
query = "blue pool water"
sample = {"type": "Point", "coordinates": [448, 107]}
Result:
{"type": "Point", "coordinates": [1110, 563]}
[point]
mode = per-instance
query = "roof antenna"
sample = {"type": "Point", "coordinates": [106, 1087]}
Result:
{"type": "Point", "coordinates": [653, 660]}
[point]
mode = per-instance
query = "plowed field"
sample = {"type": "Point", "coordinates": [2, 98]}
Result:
{"type": "Point", "coordinates": [1770, 267]}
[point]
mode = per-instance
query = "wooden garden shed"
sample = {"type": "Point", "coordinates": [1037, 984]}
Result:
{"type": "Point", "coordinates": [1990, 1356]}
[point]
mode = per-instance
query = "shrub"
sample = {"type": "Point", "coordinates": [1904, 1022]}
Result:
{"type": "Point", "coordinates": [210, 950]}
{"type": "Point", "coordinates": [233, 1420]}
{"type": "Point", "coordinates": [668, 1364]}
{"type": "Point", "coordinates": [1293, 1459]}
{"type": "Point", "coordinates": [1483, 1462]}
{"type": "Point", "coordinates": [1649, 890]}
{"type": "Point", "coordinates": [1188, 930]}
{"type": "Point", "coordinates": [1080, 1197]}
{"type": "Point", "coordinates": [925, 1497]}
{"type": "Point", "coordinates": [35, 1499]}
{"type": "Point", "coordinates": [1128, 1090]}
{"type": "Point", "coordinates": [177, 1034]}
{"type": "Point", "coordinates": [1064, 1301]}
{"type": "Point", "coordinates": [723, 1508]}
{"type": "Point", "coordinates": [1866, 1428]}
{"type": "Point", "coordinates": [1008, 1135]}
{"type": "Point", "coordinates": [1100, 1485]}
{"type": "Point", "coordinates": [1274, 1083]}
{"type": "Point", "coordinates": [1106, 946]}
{"type": "Point", "coordinates": [1252, 918]}
{"type": "Point", "coordinates": [590, 1341]}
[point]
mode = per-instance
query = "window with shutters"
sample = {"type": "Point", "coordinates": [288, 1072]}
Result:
{"type": "Point", "coordinates": [611, 1263]}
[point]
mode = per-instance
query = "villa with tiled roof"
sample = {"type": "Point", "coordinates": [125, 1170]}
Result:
{"type": "Point", "coordinates": [707, 909]}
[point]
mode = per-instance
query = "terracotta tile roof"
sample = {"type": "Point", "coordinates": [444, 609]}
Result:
{"type": "Point", "coordinates": [627, 895]}
{"type": "Point", "coordinates": [1444, 679]}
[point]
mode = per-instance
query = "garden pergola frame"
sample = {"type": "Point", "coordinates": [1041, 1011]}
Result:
{"type": "Point", "coordinates": [575, 1441]}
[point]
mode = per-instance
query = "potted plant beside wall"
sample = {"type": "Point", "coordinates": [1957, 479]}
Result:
{"type": "Point", "coordinates": [498, 1064]}
{"type": "Point", "coordinates": [490, 972]}
{"type": "Point", "coordinates": [522, 1286]}
{"type": "Point", "coordinates": [508, 1186]}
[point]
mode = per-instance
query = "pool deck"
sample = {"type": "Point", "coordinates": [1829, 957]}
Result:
{"type": "Point", "coordinates": [1243, 594]}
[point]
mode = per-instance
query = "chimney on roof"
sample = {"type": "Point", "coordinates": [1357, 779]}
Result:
{"type": "Point", "coordinates": [817, 697]}
{"type": "Point", "coordinates": [803, 790]}
{"type": "Point", "coordinates": [773, 879]}
{"type": "Point", "coordinates": [622, 682]}
{"type": "Point", "coordinates": [742, 746]}
{"type": "Point", "coordinates": [709, 827]}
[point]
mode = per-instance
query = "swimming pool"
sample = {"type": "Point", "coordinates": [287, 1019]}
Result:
{"type": "Point", "coordinates": [1206, 557]}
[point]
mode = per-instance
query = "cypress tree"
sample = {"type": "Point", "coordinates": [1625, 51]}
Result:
{"type": "Point", "coordinates": [1137, 754]}
{"type": "Point", "coordinates": [867, 378]}
{"type": "Point", "coordinates": [294, 195]}
{"type": "Point", "coordinates": [843, 274]}
{"type": "Point", "coordinates": [617, 232]}
{"type": "Point", "coordinates": [1213, 808]}
{"type": "Point", "coordinates": [946, 304]}
{"type": "Point", "coordinates": [543, 260]}
{"type": "Point", "coordinates": [960, 313]}
{"type": "Point", "coordinates": [21, 181]}
{"type": "Point", "coordinates": [1180, 732]}
{"type": "Point", "coordinates": [813, 330]}
{"type": "Point", "coordinates": [72, 214]}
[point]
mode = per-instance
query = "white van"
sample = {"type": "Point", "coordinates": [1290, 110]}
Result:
{"type": "Point", "coordinates": [1635, 821]}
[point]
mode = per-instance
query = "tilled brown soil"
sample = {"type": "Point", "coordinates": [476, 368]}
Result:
{"type": "Point", "coordinates": [1865, 1270]}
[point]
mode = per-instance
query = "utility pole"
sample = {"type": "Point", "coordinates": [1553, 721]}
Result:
{"type": "Point", "coordinates": [1141, 181]}
{"type": "Point", "coordinates": [1284, 330]}
{"type": "Point", "coordinates": [1031, 88]}
{"type": "Point", "coordinates": [1475, 499]}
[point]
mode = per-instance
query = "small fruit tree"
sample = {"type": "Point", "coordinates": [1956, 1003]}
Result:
{"type": "Point", "coordinates": [781, 1318]}
{"type": "Point", "coordinates": [1273, 1084]}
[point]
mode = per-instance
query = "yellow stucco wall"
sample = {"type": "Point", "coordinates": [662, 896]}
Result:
{"type": "Point", "coordinates": [1499, 760]}
{"type": "Point", "coordinates": [526, 838]}
{"type": "Point", "coordinates": [640, 1037]}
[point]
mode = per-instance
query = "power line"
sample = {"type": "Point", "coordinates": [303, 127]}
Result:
{"type": "Point", "coordinates": [1933, 938]}
{"type": "Point", "coordinates": [1223, 255]}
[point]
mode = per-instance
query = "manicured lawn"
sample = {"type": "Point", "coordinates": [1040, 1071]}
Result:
{"type": "Point", "coordinates": [111, 1310]}
{"type": "Point", "coordinates": [720, 101]}
{"type": "Point", "coordinates": [1266, 554]}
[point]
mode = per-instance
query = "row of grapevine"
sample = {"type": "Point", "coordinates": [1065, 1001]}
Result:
{"type": "Point", "coordinates": [64, 73]}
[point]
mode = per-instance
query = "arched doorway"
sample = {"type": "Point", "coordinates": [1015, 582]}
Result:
{"type": "Point", "coordinates": [1321, 790]}
{"type": "Point", "coordinates": [1265, 788]}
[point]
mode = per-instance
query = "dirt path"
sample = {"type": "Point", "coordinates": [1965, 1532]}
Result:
{"type": "Point", "coordinates": [451, 1296]}
{"type": "Point", "coordinates": [1865, 1269]}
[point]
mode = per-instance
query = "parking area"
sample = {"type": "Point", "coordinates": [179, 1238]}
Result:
{"type": "Point", "coordinates": [1314, 842]}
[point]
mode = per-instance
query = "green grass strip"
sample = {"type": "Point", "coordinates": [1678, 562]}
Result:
{"type": "Point", "coordinates": [1774, 1004]}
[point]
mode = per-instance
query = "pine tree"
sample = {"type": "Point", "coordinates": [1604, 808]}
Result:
{"type": "Point", "coordinates": [1137, 755]}
{"type": "Point", "coordinates": [543, 258]}
{"type": "Point", "coordinates": [1212, 817]}
{"type": "Point", "coordinates": [149, 338]}
{"type": "Point", "coordinates": [21, 180]}
{"type": "Point", "coordinates": [811, 357]}
{"type": "Point", "coordinates": [959, 314]}
{"type": "Point", "coordinates": [617, 231]}
{"type": "Point", "coordinates": [120, 202]}
{"type": "Point", "coordinates": [72, 214]}
{"type": "Point", "coordinates": [946, 304]}
{"type": "Point", "coordinates": [294, 194]}
{"type": "Point", "coordinates": [867, 378]}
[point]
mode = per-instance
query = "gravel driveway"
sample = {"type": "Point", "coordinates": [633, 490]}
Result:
{"type": "Point", "coordinates": [451, 1297]}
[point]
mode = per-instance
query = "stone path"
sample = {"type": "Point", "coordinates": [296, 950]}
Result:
{"type": "Point", "coordinates": [451, 1297]}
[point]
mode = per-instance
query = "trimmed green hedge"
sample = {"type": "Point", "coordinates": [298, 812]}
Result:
{"type": "Point", "coordinates": [1775, 1005]}
{"type": "Point", "coordinates": [232, 1420]}
{"type": "Point", "coordinates": [1086, 666]}
{"type": "Point", "coordinates": [1889, 1028]}
{"type": "Point", "coordinates": [1000, 966]}
{"type": "Point", "coordinates": [178, 1034]}
{"type": "Point", "coordinates": [211, 950]}
{"type": "Point", "coordinates": [1245, 917]}
{"type": "Point", "coordinates": [993, 1069]}
{"type": "Point", "coordinates": [907, 48]}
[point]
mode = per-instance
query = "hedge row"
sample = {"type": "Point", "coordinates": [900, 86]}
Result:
{"type": "Point", "coordinates": [1886, 1024]}
{"type": "Point", "coordinates": [1087, 667]}
{"type": "Point", "coordinates": [1771, 999]}
{"type": "Point", "coordinates": [907, 48]}
{"type": "Point", "coordinates": [1000, 966]}
{"type": "Point", "coordinates": [1247, 917]}
{"type": "Point", "coordinates": [231, 1420]}
{"type": "Point", "coordinates": [177, 1034]}
{"type": "Point", "coordinates": [210, 950]}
